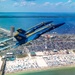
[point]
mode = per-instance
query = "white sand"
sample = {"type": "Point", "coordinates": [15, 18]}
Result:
{"type": "Point", "coordinates": [41, 62]}
{"type": "Point", "coordinates": [39, 53]}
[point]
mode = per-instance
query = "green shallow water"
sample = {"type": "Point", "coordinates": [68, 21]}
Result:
{"type": "Point", "coordinates": [64, 71]}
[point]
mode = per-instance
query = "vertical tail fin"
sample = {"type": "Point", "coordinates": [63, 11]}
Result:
{"type": "Point", "coordinates": [21, 31]}
{"type": "Point", "coordinates": [20, 38]}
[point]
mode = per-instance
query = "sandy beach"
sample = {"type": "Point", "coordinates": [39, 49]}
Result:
{"type": "Point", "coordinates": [43, 69]}
{"type": "Point", "coordinates": [34, 64]}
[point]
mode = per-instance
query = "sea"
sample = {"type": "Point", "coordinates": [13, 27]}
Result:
{"type": "Point", "coordinates": [26, 20]}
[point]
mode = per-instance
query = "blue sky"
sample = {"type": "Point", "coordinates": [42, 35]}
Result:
{"type": "Point", "coordinates": [37, 5]}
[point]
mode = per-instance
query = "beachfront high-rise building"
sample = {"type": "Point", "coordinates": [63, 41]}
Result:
{"type": "Point", "coordinates": [12, 30]}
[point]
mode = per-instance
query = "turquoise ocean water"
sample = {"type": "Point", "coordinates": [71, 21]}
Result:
{"type": "Point", "coordinates": [26, 20]}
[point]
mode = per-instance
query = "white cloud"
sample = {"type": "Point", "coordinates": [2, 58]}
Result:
{"type": "Point", "coordinates": [26, 3]}
{"type": "Point", "coordinates": [68, 2]}
{"type": "Point", "coordinates": [23, 3]}
{"type": "Point", "coordinates": [64, 4]}
{"type": "Point", "coordinates": [59, 3]}
{"type": "Point", "coordinates": [53, 4]}
{"type": "Point", "coordinates": [46, 3]}
{"type": "Point", "coordinates": [32, 3]}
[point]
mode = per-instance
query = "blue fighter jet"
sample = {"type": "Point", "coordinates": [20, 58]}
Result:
{"type": "Point", "coordinates": [34, 28]}
{"type": "Point", "coordinates": [24, 37]}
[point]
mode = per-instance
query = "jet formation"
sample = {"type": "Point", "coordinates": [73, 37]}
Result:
{"type": "Point", "coordinates": [35, 32]}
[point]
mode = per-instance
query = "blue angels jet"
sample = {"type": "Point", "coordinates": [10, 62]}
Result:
{"type": "Point", "coordinates": [34, 28]}
{"type": "Point", "coordinates": [24, 37]}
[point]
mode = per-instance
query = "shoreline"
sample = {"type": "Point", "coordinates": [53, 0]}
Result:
{"type": "Point", "coordinates": [5, 30]}
{"type": "Point", "coordinates": [43, 69]}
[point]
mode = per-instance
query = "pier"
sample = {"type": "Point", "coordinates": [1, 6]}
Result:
{"type": "Point", "coordinates": [4, 30]}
